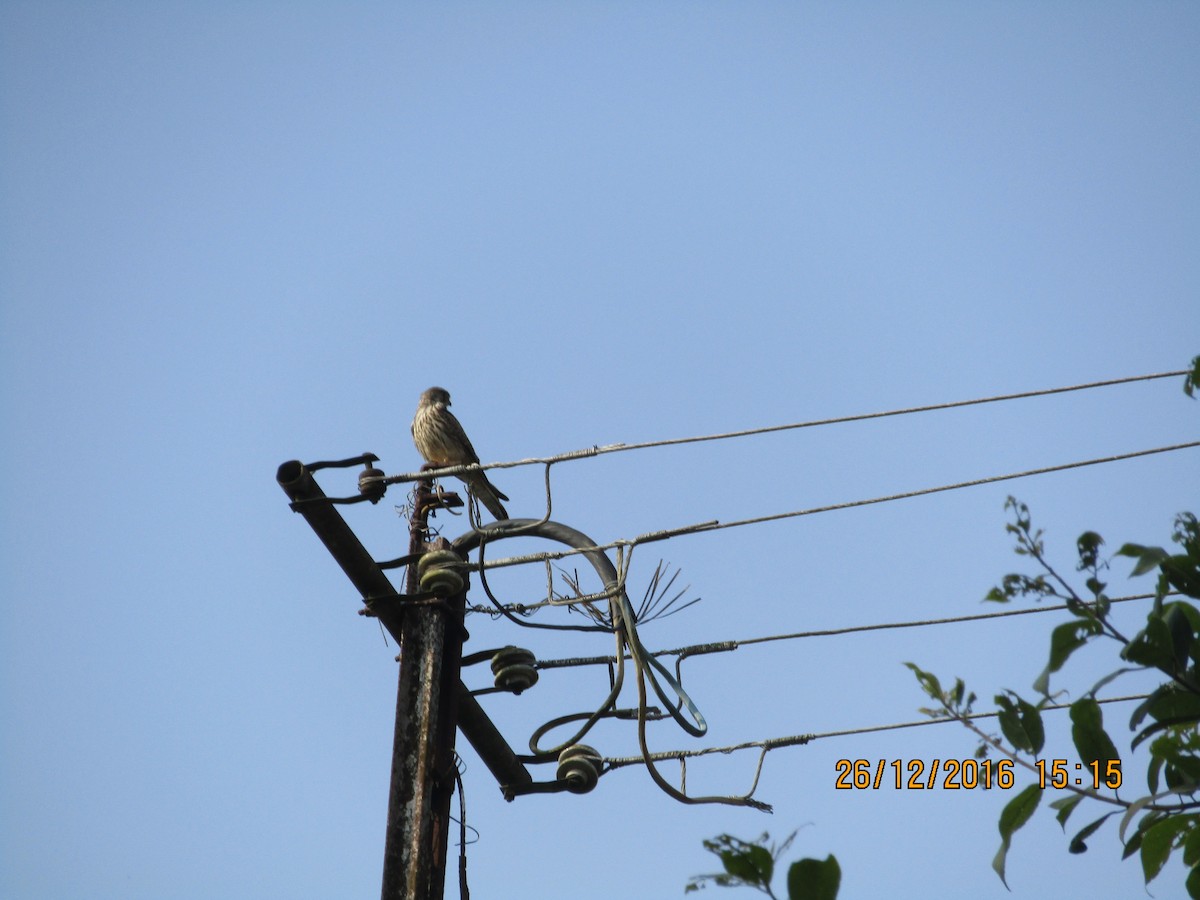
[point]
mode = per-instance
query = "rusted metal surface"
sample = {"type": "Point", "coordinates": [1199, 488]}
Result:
{"type": "Point", "coordinates": [415, 846]}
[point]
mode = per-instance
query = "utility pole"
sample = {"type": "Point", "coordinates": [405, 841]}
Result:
{"type": "Point", "coordinates": [422, 779]}
{"type": "Point", "coordinates": [427, 621]}
{"type": "Point", "coordinates": [422, 773]}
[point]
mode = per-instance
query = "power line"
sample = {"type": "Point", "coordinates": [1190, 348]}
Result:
{"type": "Point", "coordinates": [920, 624]}
{"type": "Point", "coordinates": [837, 420]}
{"type": "Point", "coordinates": [728, 646]}
{"type": "Point", "coordinates": [626, 546]}
{"type": "Point", "coordinates": [800, 739]}
{"type": "Point", "coordinates": [904, 495]}
{"type": "Point", "coordinates": [599, 450]}
{"type": "Point", "coordinates": [716, 525]}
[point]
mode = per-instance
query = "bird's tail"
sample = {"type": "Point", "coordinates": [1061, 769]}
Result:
{"type": "Point", "coordinates": [488, 495]}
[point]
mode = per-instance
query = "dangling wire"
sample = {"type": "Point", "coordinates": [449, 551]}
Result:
{"type": "Point", "coordinates": [605, 708]}
{"type": "Point", "coordinates": [463, 890]}
{"type": "Point", "coordinates": [624, 628]}
{"type": "Point", "coordinates": [646, 661]}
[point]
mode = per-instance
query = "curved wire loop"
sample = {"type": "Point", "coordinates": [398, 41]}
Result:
{"type": "Point", "coordinates": [625, 629]}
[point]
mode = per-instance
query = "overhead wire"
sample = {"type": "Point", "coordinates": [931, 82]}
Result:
{"type": "Point", "coordinates": [769, 744]}
{"type": "Point", "coordinates": [904, 495]}
{"type": "Point", "coordinates": [644, 658]}
{"type": "Point", "coordinates": [730, 645]}
{"type": "Point", "coordinates": [717, 525]}
{"type": "Point", "coordinates": [600, 450]}
{"type": "Point", "coordinates": [714, 525]}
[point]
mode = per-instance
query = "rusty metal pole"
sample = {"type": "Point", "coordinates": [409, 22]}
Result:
{"type": "Point", "coordinates": [422, 778]}
{"type": "Point", "coordinates": [454, 634]}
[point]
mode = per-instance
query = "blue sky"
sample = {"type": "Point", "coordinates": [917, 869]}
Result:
{"type": "Point", "coordinates": [237, 234]}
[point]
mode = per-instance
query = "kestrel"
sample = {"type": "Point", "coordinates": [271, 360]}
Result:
{"type": "Point", "coordinates": [441, 440]}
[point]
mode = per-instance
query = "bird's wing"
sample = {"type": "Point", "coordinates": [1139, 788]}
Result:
{"type": "Point", "coordinates": [461, 436]}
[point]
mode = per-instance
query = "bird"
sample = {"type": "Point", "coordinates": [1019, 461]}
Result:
{"type": "Point", "coordinates": [440, 439]}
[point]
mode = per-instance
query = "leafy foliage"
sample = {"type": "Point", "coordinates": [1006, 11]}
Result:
{"type": "Point", "coordinates": [752, 864]}
{"type": "Point", "coordinates": [1164, 821]}
{"type": "Point", "coordinates": [1167, 722]}
{"type": "Point", "coordinates": [1016, 813]}
{"type": "Point", "coordinates": [1193, 378]}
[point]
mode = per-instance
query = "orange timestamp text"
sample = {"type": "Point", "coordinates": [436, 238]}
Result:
{"type": "Point", "coordinates": [916, 774]}
{"type": "Point", "coordinates": [968, 774]}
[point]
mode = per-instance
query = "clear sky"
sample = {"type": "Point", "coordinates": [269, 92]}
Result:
{"type": "Point", "coordinates": [237, 234]}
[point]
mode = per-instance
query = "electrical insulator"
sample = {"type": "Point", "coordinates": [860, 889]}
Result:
{"type": "Point", "coordinates": [440, 573]}
{"type": "Point", "coordinates": [579, 767]}
{"type": "Point", "coordinates": [370, 483]}
{"type": "Point", "coordinates": [513, 668]}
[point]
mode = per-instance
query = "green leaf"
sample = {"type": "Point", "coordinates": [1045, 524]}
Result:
{"type": "Point", "coordinates": [1187, 535]}
{"type": "Point", "coordinates": [1182, 574]}
{"type": "Point", "coordinates": [1188, 610]}
{"type": "Point", "coordinates": [1148, 558]}
{"type": "Point", "coordinates": [1015, 814]}
{"type": "Point", "coordinates": [1078, 844]}
{"type": "Point", "coordinates": [1190, 383]}
{"type": "Point", "coordinates": [749, 862]}
{"type": "Point", "coordinates": [1182, 772]}
{"type": "Point", "coordinates": [814, 879]}
{"type": "Point", "coordinates": [1173, 704]}
{"type": "Point", "coordinates": [1065, 640]}
{"type": "Point", "coordinates": [745, 862]}
{"type": "Point", "coordinates": [1136, 807]}
{"type": "Point", "coordinates": [1191, 846]}
{"type": "Point", "coordinates": [1175, 712]}
{"type": "Point", "coordinates": [1088, 545]}
{"type": "Point", "coordinates": [1133, 845]}
{"type": "Point", "coordinates": [1111, 677]}
{"type": "Point", "coordinates": [1065, 807]}
{"type": "Point", "coordinates": [1021, 723]}
{"type": "Point", "coordinates": [1017, 585]}
{"type": "Point", "coordinates": [1087, 730]}
{"type": "Point", "coordinates": [995, 595]}
{"type": "Point", "coordinates": [928, 681]}
{"type": "Point", "coordinates": [1180, 628]}
{"type": "Point", "coordinates": [1153, 771]}
{"type": "Point", "coordinates": [1152, 646]}
{"type": "Point", "coordinates": [1193, 883]}
{"type": "Point", "coordinates": [1157, 842]}
{"type": "Point", "coordinates": [1167, 703]}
